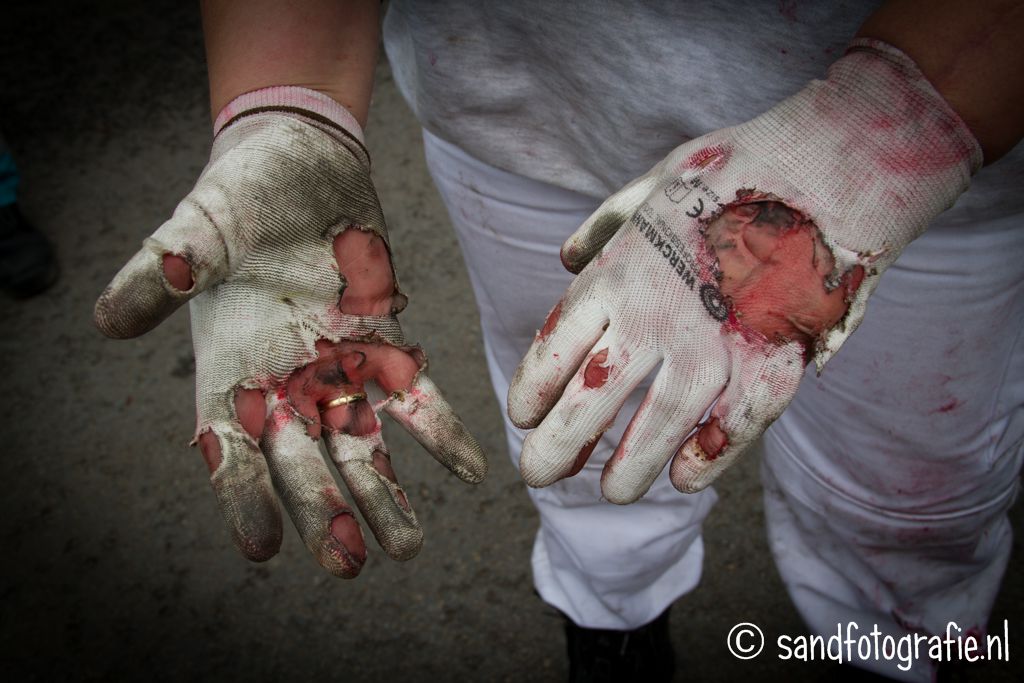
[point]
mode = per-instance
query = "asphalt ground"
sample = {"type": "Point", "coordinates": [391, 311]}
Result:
{"type": "Point", "coordinates": [116, 565]}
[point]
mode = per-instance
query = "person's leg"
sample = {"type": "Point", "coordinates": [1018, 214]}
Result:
{"type": "Point", "coordinates": [27, 265]}
{"type": "Point", "coordinates": [888, 479]}
{"type": "Point", "coordinates": [605, 566]}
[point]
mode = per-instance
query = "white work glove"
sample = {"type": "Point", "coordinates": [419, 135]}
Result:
{"type": "Point", "coordinates": [698, 267]}
{"type": "Point", "coordinates": [282, 226]}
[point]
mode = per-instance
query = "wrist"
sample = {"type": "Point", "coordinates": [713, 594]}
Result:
{"type": "Point", "coordinates": [872, 154]}
{"type": "Point", "coordinates": [874, 136]}
{"type": "Point", "coordinates": [289, 98]}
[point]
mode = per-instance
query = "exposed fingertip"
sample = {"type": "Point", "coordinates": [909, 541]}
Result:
{"type": "Point", "coordinates": [178, 272]}
{"type": "Point", "coordinates": [345, 530]}
{"type": "Point", "coordinates": [712, 439]}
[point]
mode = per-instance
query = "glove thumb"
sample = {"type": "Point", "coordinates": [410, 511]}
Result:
{"type": "Point", "coordinates": [140, 296]}
{"type": "Point", "coordinates": [590, 238]}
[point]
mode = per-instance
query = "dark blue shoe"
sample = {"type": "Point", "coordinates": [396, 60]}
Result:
{"type": "Point", "coordinates": [27, 263]}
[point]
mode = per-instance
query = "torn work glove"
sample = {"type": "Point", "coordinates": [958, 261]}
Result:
{"type": "Point", "coordinates": [734, 261]}
{"type": "Point", "coordinates": [282, 249]}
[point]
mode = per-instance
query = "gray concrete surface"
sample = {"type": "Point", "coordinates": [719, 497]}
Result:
{"type": "Point", "coordinates": [115, 562]}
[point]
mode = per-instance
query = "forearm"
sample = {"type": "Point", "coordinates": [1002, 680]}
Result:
{"type": "Point", "coordinates": [325, 45]}
{"type": "Point", "coordinates": [972, 56]}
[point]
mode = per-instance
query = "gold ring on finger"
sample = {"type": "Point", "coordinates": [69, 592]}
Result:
{"type": "Point", "coordinates": [345, 400]}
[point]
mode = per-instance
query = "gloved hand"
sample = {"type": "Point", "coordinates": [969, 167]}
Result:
{"type": "Point", "coordinates": [282, 249]}
{"type": "Point", "coordinates": [735, 260]}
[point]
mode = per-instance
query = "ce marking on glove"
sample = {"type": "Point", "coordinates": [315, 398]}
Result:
{"type": "Point", "coordinates": [680, 189]}
{"type": "Point", "coordinates": [745, 640]}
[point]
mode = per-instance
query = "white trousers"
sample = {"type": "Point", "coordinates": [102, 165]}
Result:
{"type": "Point", "coordinates": [886, 482]}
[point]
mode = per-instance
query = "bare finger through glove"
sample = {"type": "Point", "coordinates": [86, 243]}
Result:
{"type": "Point", "coordinates": [282, 250]}
{"type": "Point", "coordinates": [740, 257]}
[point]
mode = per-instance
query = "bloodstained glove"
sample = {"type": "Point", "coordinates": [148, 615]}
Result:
{"type": "Point", "coordinates": [732, 263]}
{"type": "Point", "coordinates": [282, 249]}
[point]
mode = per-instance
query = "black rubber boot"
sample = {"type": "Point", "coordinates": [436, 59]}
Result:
{"type": "Point", "coordinates": [643, 654]}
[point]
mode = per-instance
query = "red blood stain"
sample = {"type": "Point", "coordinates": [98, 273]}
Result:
{"type": "Point", "coordinates": [947, 407]}
{"type": "Point", "coordinates": [705, 157]}
{"type": "Point", "coordinates": [342, 369]}
{"type": "Point", "coordinates": [583, 456]}
{"type": "Point", "coordinates": [733, 325]}
{"type": "Point", "coordinates": [551, 322]}
{"type": "Point", "coordinates": [774, 265]}
{"type": "Point", "coordinates": [915, 136]}
{"type": "Point", "coordinates": [596, 373]}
